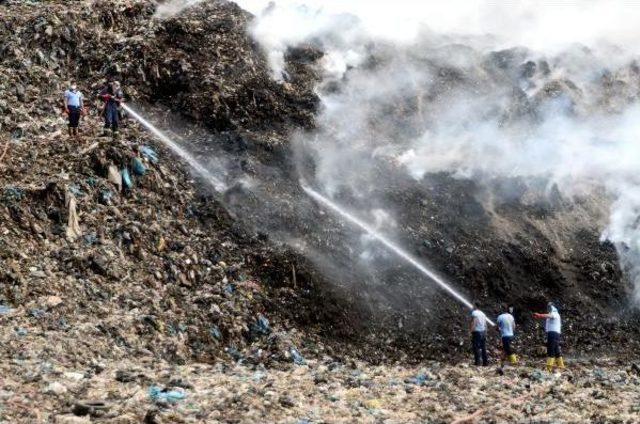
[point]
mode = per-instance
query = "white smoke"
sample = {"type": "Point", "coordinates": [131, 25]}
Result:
{"type": "Point", "coordinates": [574, 119]}
{"type": "Point", "coordinates": [547, 26]}
{"type": "Point", "coordinates": [172, 8]}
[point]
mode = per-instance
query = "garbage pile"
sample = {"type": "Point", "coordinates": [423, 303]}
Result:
{"type": "Point", "coordinates": [47, 45]}
{"type": "Point", "coordinates": [322, 390]}
{"type": "Point", "coordinates": [109, 248]}
{"type": "Point", "coordinates": [129, 294]}
{"type": "Point", "coordinates": [204, 66]}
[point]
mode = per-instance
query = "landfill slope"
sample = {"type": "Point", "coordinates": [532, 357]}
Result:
{"type": "Point", "coordinates": [205, 78]}
{"type": "Point", "coordinates": [108, 292]}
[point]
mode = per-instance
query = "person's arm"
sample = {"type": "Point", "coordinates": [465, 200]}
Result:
{"type": "Point", "coordinates": [541, 316]}
{"type": "Point", "coordinates": [474, 322]}
{"type": "Point", "coordinates": [66, 103]}
{"type": "Point", "coordinates": [104, 95]}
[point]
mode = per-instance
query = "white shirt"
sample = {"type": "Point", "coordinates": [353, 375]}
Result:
{"type": "Point", "coordinates": [553, 323]}
{"type": "Point", "coordinates": [506, 324]}
{"type": "Point", "coordinates": [479, 320]}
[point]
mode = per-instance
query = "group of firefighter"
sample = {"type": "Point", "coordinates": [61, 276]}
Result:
{"type": "Point", "coordinates": [112, 98]}
{"type": "Point", "coordinates": [507, 325]}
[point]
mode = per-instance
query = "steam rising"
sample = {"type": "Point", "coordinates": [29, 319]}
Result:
{"type": "Point", "coordinates": [483, 91]}
{"type": "Point", "coordinates": [479, 90]}
{"type": "Point", "coordinates": [174, 7]}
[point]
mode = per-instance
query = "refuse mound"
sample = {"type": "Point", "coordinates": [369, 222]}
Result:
{"type": "Point", "coordinates": [165, 267]}
{"type": "Point", "coordinates": [130, 291]}
{"type": "Point", "coordinates": [109, 248]}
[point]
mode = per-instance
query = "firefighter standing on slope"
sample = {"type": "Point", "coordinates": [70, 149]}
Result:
{"type": "Point", "coordinates": [73, 107]}
{"type": "Point", "coordinates": [553, 328]}
{"type": "Point", "coordinates": [113, 98]}
{"type": "Point", "coordinates": [507, 326]}
{"type": "Point", "coordinates": [479, 335]}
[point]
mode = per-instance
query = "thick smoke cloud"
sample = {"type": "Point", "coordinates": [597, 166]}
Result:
{"type": "Point", "coordinates": [474, 89]}
{"type": "Point", "coordinates": [481, 90]}
{"type": "Point", "coordinates": [541, 26]}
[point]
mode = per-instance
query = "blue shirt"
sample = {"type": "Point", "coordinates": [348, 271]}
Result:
{"type": "Point", "coordinates": [73, 98]}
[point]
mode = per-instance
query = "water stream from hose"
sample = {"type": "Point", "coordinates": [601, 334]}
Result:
{"type": "Point", "coordinates": [175, 147]}
{"type": "Point", "coordinates": [389, 245]}
{"type": "Point", "coordinates": [220, 187]}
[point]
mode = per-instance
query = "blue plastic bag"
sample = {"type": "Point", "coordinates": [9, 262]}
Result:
{"type": "Point", "coordinates": [260, 327]}
{"type": "Point", "coordinates": [298, 359]}
{"type": "Point", "coordinates": [126, 178]}
{"type": "Point", "coordinates": [149, 153]}
{"type": "Point", "coordinates": [138, 166]}
{"type": "Point", "coordinates": [159, 394]}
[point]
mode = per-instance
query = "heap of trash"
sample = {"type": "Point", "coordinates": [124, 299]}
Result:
{"type": "Point", "coordinates": [129, 293]}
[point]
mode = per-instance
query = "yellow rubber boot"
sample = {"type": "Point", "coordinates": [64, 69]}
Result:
{"type": "Point", "coordinates": [560, 363]}
{"type": "Point", "coordinates": [550, 363]}
{"type": "Point", "coordinates": [513, 359]}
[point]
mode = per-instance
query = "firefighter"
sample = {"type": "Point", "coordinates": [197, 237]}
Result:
{"type": "Point", "coordinates": [112, 96]}
{"type": "Point", "coordinates": [507, 327]}
{"type": "Point", "coordinates": [479, 335]}
{"type": "Point", "coordinates": [553, 328]}
{"type": "Point", "coordinates": [73, 107]}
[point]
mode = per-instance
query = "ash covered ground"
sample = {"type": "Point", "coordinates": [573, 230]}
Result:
{"type": "Point", "coordinates": [256, 304]}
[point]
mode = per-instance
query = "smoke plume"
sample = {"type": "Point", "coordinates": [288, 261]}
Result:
{"type": "Point", "coordinates": [481, 91]}
{"type": "Point", "coordinates": [174, 7]}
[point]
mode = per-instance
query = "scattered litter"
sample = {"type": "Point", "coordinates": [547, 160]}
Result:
{"type": "Point", "coordinates": [114, 176]}
{"type": "Point", "coordinates": [126, 178]}
{"type": "Point", "coordinates": [418, 380]}
{"type": "Point", "coordinates": [260, 327]}
{"type": "Point", "coordinates": [149, 153]}
{"type": "Point", "coordinates": [138, 167]}
{"type": "Point", "coordinates": [73, 226]}
{"type": "Point", "coordinates": [158, 394]}
{"type": "Point", "coordinates": [12, 194]}
{"type": "Point", "coordinates": [298, 359]}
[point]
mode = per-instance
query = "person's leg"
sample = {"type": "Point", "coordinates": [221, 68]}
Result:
{"type": "Point", "coordinates": [74, 120]}
{"type": "Point", "coordinates": [475, 344]}
{"type": "Point", "coordinates": [107, 121]}
{"type": "Point", "coordinates": [505, 350]}
{"type": "Point", "coordinates": [512, 356]}
{"type": "Point", "coordinates": [558, 353]}
{"type": "Point", "coordinates": [115, 122]}
{"type": "Point", "coordinates": [551, 361]}
{"type": "Point", "coordinates": [483, 347]}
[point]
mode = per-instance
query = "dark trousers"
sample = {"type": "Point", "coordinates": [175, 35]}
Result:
{"type": "Point", "coordinates": [479, 344]}
{"type": "Point", "coordinates": [74, 116]}
{"type": "Point", "coordinates": [553, 345]}
{"type": "Point", "coordinates": [506, 345]}
{"type": "Point", "coordinates": [111, 118]}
